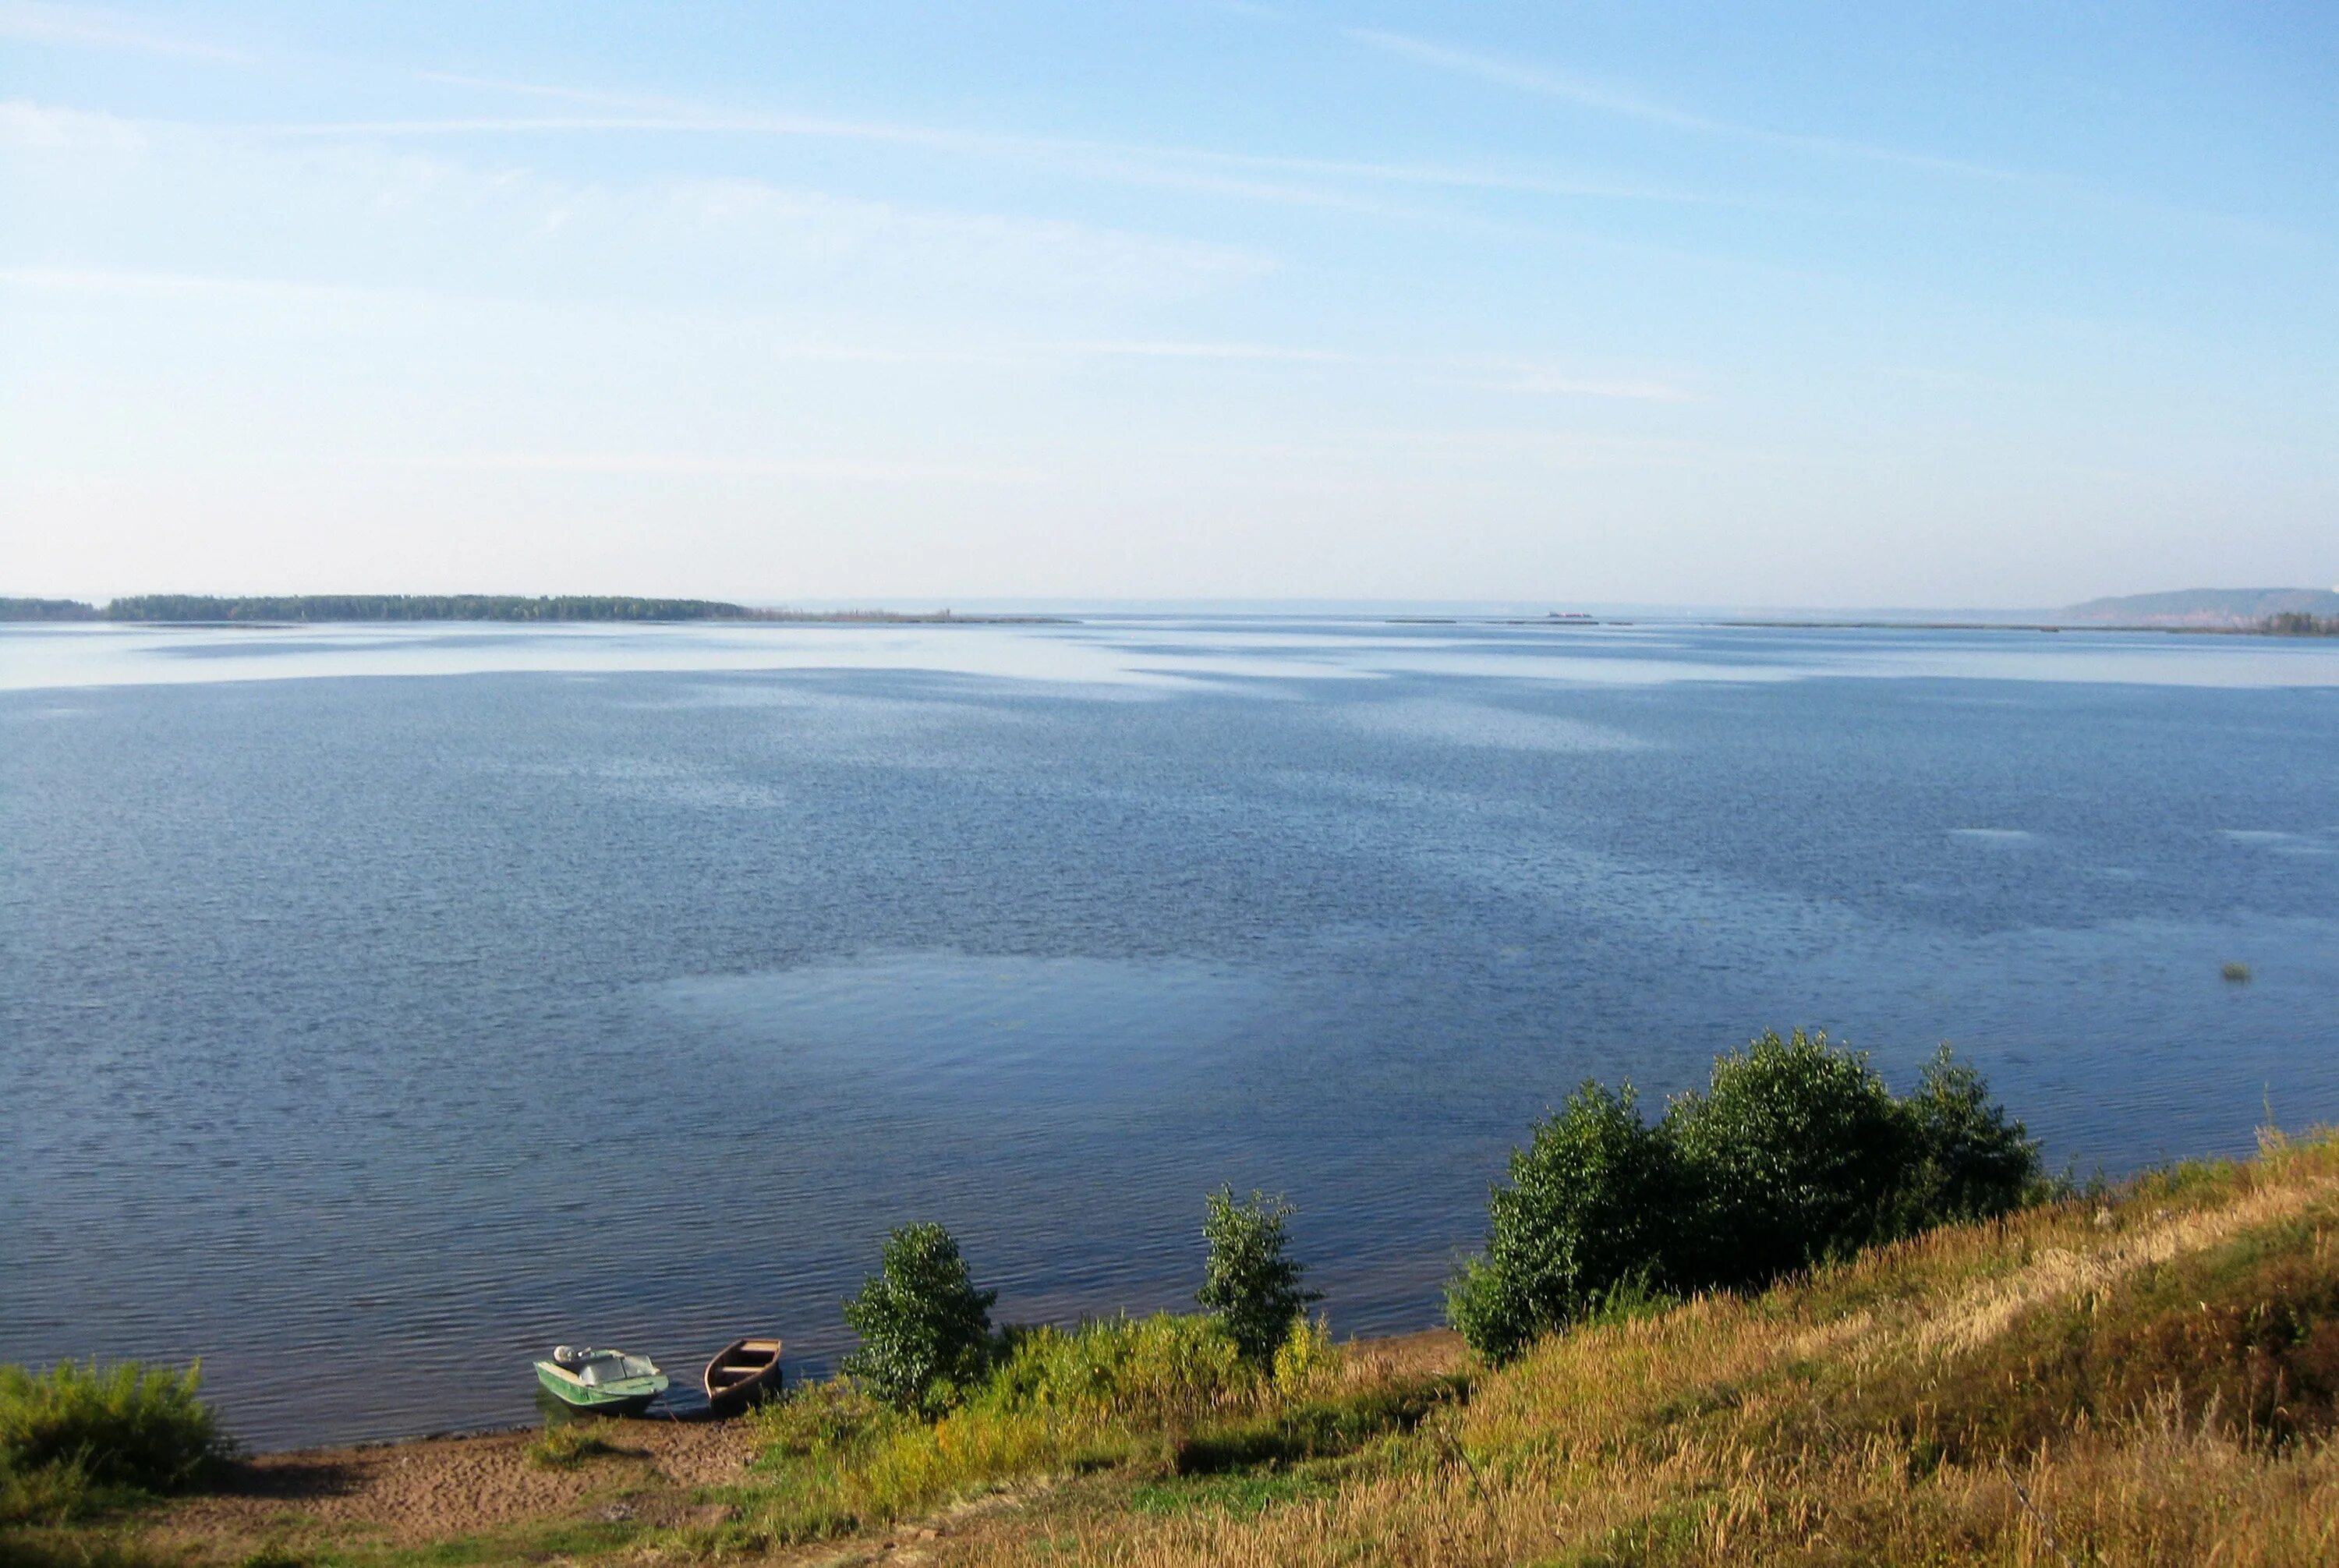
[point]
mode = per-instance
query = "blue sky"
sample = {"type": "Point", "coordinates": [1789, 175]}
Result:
{"type": "Point", "coordinates": [1955, 305]}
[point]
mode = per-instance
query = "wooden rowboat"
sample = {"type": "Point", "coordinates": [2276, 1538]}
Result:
{"type": "Point", "coordinates": [608, 1381]}
{"type": "Point", "coordinates": [744, 1372]}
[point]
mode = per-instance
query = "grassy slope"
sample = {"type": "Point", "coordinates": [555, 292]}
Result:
{"type": "Point", "coordinates": [2152, 1380]}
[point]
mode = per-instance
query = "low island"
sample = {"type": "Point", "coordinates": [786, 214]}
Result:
{"type": "Point", "coordinates": [295, 609]}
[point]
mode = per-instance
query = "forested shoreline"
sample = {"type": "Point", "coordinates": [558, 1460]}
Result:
{"type": "Point", "coordinates": [204, 609]}
{"type": "Point", "coordinates": [208, 609]}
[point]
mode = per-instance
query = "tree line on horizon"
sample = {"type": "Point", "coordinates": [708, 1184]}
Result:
{"type": "Point", "coordinates": [206, 608]}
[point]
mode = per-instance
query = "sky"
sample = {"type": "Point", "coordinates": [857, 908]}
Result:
{"type": "Point", "coordinates": [1961, 304]}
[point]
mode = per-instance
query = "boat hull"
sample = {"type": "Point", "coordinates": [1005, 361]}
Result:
{"type": "Point", "coordinates": [600, 1402]}
{"type": "Point", "coordinates": [744, 1373]}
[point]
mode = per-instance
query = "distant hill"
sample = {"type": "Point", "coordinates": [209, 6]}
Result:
{"type": "Point", "coordinates": [2208, 606]}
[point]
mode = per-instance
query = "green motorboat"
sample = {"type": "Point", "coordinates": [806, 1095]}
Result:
{"type": "Point", "coordinates": [606, 1382]}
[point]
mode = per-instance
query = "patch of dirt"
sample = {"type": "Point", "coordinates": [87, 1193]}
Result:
{"type": "Point", "coordinates": [436, 1487]}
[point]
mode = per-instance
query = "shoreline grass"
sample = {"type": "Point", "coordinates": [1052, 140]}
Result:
{"type": "Point", "coordinates": [2144, 1374]}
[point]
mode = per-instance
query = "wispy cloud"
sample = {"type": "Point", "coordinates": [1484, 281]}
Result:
{"type": "Point", "coordinates": [1153, 350]}
{"type": "Point", "coordinates": [1548, 83]}
{"type": "Point", "coordinates": [1552, 383]}
{"type": "Point", "coordinates": [38, 126]}
{"type": "Point", "coordinates": [123, 282]}
{"type": "Point", "coordinates": [719, 465]}
{"type": "Point", "coordinates": [1532, 379]}
{"type": "Point", "coordinates": [1126, 162]}
{"type": "Point", "coordinates": [372, 308]}
{"type": "Point", "coordinates": [90, 27]}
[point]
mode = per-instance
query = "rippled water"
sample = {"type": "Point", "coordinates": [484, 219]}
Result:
{"type": "Point", "coordinates": [365, 1035]}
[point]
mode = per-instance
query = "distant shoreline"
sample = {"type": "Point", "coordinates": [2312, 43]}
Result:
{"type": "Point", "coordinates": [395, 609]}
{"type": "Point", "coordinates": [1569, 622]}
{"type": "Point", "coordinates": [195, 610]}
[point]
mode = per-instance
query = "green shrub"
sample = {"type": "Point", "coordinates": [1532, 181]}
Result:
{"type": "Point", "coordinates": [1249, 1283]}
{"type": "Point", "coordinates": [127, 1425]}
{"type": "Point", "coordinates": [1595, 1201]}
{"type": "Point", "coordinates": [50, 1493]}
{"type": "Point", "coordinates": [822, 1421]}
{"type": "Point", "coordinates": [1796, 1152]}
{"type": "Point", "coordinates": [1968, 1161]}
{"type": "Point", "coordinates": [567, 1445]}
{"type": "Point", "coordinates": [925, 1327]}
{"type": "Point", "coordinates": [833, 1458]}
{"type": "Point", "coordinates": [1164, 1370]}
{"type": "Point", "coordinates": [1306, 1362]}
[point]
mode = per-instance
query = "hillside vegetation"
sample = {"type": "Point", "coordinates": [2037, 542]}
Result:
{"type": "Point", "coordinates": [2145, 1376]}
{"type": "Point", "coordinates": [2146, 1379]}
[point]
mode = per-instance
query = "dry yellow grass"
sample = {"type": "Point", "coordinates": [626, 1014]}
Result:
{"type": "Point", "coordinates": [2151, 1379]}
{"type": "Point", "coordinates": [2058, 1389]}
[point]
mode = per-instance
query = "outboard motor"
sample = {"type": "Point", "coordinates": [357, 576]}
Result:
{"type": "Point", "coordinates": [571, 1356]}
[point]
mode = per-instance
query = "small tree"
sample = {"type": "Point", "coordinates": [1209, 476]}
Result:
{"type": "Point", "coordinates": [1247, 1282]}
{"type": "Point", "coordinates": [925, 1327]}
{"type": "Point", "coordinates": [1799, 1152]}
{"type": "Point", "coordinates": [1796, 1152]}
{"type": "Point", "coordinates": [1592, 1210]}
{"type": "Point", "coordinates": [1971, 1161]}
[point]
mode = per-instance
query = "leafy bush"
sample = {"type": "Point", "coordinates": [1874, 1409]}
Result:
{"type": "Point", "coordinates": [1248, 1281]}
{"type": "Point", "coordinates": [1795, 1153]}
{"type": "Point", "coordinates": [1796, 1149]}
{"type": "Point", "coordinates": [1968, 1160]}
{"type": "Point", "coordinates": [50, 1493]}
{"type": "Point", "coordinates": [1163, 1370]}
{"type": "Point", "coordinates": [834, 1458]}
{"type": "Point", "coordinates": [925, 1327]}
{"type": "Point", "coordinates": [1306, 1362]}
{"type": "Point", "coordinates": [127, 1425]}
{"type": "Point", "coordinates": [1155, 1395]}
{"type": "Point", "coordinates": [1594, 1201]}
{"type": "Point", "coordinates": [822, 1420]}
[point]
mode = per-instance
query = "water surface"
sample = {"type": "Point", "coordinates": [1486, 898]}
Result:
{"type": "Point", "coordinates": [420, 996]}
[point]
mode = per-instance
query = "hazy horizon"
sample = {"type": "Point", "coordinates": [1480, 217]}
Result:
{"type": "Point", "coordinates": [1233, 605]}
{"type": "Point", "coordinates": [1992, 309]}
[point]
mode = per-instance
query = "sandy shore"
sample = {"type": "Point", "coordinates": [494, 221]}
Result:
{"type": "Point", "coordinates": [429, 1489]}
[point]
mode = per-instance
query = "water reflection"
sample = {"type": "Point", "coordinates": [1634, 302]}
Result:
{"type": "Point", "coordinates": [1156, 653]}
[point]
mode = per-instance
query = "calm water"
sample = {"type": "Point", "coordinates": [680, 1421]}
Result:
{"type": "Point", "coordinates": [377, 1007]}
